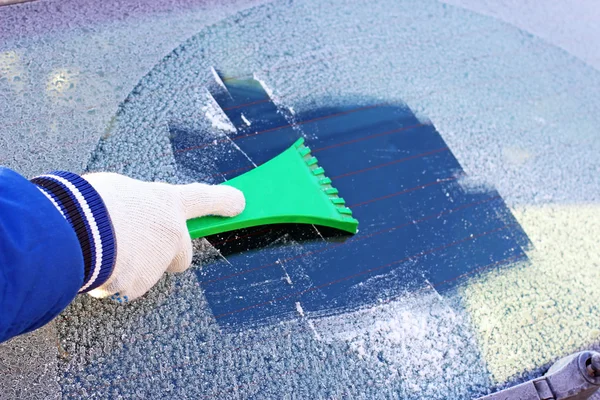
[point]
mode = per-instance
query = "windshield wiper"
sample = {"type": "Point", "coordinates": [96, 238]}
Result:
{"type": "Point", "coordinates": [574, 377]}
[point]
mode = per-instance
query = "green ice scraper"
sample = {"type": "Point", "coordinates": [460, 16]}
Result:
{"type": "Point", "coordinates": [290, 188]}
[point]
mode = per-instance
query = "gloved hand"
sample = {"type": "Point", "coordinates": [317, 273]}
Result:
{"type": "Point", "coordinates": [149, 222]}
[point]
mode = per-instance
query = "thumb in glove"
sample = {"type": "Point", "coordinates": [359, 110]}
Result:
{"type": "Point", "coordinates": [149, 223]}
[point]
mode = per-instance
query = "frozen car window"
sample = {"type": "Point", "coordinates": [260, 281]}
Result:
{"type": "Point", "coordinates": [467, 150]}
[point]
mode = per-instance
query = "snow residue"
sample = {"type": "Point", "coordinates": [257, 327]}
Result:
{"type": "Point", "coordinates": [474, 184]}
{"type": "Point", "coordinates": [267, 89]}
{"type": "Point", "coordinates": [299, 309]}
{"type": "Point", "coordinates": [217, 78]}
{"type": "Point", "coordinates": [420, 339]}
{"type": "Point", "coordinates": [217, 117]}
{"type": "Point", "coordinates": [288, 279]}
{"type": "Point", "coordinates": [310, 323]}
{"type": "Point", "coordinates": [246, 121]}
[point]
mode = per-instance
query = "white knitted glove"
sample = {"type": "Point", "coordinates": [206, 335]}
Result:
{"type": "Point", "coordinates": [149, 222]}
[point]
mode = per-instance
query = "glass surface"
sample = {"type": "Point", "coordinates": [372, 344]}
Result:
{"type": "Point", "coordinates": [419, 225]}
{"type": "Point", "coordinates": [466, 148]}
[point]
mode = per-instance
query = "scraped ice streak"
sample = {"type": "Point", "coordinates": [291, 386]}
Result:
{"type": "Point", "coordinates": [241, 151]}
{"type": "Point", "coordinates": [246, 121]}
{"type": "Point", "coordinates": [217, 78]}
{"type": "Point", "coordinates": [283, 108]}
{"type": "Point", "coordinates": [266, 88]}
{"type": "Point", "coordinates": [308, 321]}
{"type": "Point", "coordinates": [216, 116]}
{"type": "Point", "coordinates": [300, 309]}
{"type": "Point", "coordinates": [419, 338]}
{"type": "Point", "coordinates": [287, 277]}
{"type": "Point", "coordinates": [219, 119]}
{"type": "Point", "coordinates": [277, 100]}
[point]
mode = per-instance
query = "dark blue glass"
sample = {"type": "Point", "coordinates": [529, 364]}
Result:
{"type": "Point", "coordinates": [418, 225]}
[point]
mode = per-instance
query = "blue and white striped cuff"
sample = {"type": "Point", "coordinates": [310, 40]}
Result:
{"type": "Point", "coordinates": [85, 211]}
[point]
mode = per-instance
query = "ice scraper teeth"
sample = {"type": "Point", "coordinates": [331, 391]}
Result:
{"type": "Point", "coordinates": [324, 181]}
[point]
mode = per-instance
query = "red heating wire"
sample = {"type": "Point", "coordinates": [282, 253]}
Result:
{"type": "Point", "coordinates": [367, 271]}
{"type": "Point", "coordinates": [355, 239]}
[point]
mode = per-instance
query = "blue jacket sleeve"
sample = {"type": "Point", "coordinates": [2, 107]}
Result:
{"type": "Point", "coordinates": [41, 261]}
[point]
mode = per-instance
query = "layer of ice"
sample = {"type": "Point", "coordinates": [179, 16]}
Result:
{"type": "Point", "coordinates": [515, 110]}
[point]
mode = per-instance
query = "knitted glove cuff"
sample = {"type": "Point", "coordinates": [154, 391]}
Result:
{"type": "Point", "coordinates": [84, 210]}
